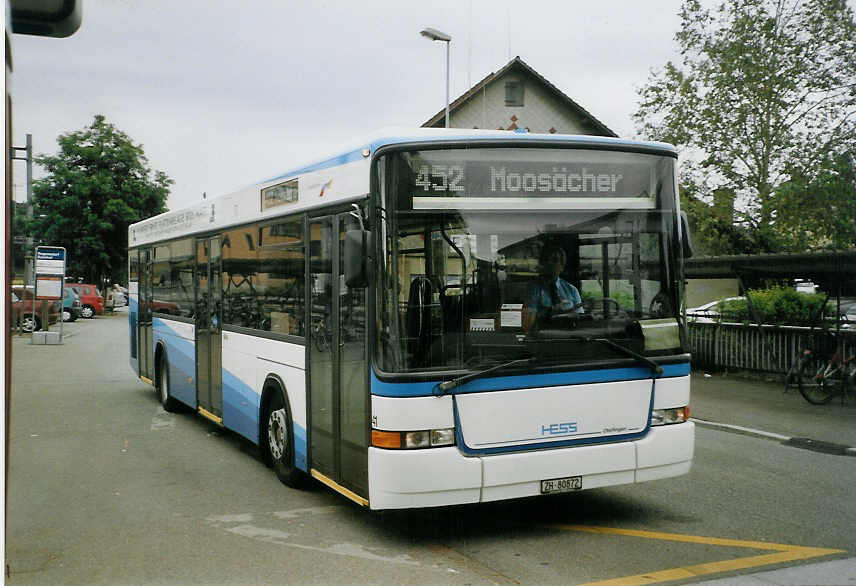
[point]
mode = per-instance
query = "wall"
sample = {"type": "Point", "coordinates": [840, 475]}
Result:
{"type": "Point", "coordinates": [540, 112]}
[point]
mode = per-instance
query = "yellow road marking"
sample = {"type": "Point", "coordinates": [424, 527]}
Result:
{"type": "Point", "coordinates": [784, 553]}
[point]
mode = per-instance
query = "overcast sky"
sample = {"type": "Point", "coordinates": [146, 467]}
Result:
{"type": "Point", "coordinates": [222, 96]}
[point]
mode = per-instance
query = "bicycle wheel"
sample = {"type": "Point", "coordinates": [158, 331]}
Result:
{"type": "Point", "coordinates": [812, 381]}
{"type": "Point", "coordinates": [792, 376]}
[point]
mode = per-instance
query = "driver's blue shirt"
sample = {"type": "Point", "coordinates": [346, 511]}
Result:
{"type": "Point", "coordinates": [538, 297]}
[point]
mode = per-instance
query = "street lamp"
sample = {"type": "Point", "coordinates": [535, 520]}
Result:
{"type": "Point", "coordinates": [435, 35]}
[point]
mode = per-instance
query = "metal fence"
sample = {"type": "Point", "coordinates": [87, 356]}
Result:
{"type": "Point", "coordinates": [764, 349]}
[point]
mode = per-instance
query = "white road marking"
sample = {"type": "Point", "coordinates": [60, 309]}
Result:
{"type": "Point", "coordinates": [162, 420]}
{"type": "Point", "coordinates": [247, 525]}
{"type": "Point", "coordinates": [295, 513]}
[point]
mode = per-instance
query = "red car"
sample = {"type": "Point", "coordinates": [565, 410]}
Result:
{"type": "Point", "coordinates": [22, 310]}
{"type": "Point", "coordinates": [90, 299]}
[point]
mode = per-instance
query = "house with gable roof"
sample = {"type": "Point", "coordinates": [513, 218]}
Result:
{"type": "Point", "coordinates": [518, 97]}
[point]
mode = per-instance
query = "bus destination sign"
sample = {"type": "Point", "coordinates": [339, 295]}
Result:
{"type": "Point", "coordinates": [571, 178]}
{"type": "Point", "coordinates": [489, 179]}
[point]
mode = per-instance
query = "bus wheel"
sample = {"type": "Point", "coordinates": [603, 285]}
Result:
{"type": "Point", "coordinates": [168, 402]}
{"type": "Point", "coordinates": [280, 442]}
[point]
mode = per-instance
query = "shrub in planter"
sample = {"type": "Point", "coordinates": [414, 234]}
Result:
{"type": "Point", "coordinates": [777, 306]}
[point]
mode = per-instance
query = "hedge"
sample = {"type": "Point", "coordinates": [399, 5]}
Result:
{"type": "Point", "coordinates": [776, 306]}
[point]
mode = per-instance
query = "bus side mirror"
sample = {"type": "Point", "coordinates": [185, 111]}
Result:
{"type": "Point", "coordinates": [685, 236]}
{"type": "Point", "coordinates": [356, 258]}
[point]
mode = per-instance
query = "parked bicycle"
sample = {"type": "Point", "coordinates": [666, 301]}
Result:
{"type": "Point", "coordinates": [321, 333]}
{"type": "Point", "coordinates": [822, 376]}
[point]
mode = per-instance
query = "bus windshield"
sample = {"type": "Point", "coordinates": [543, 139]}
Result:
{"type": "Point", "coordinates": [492, 255]}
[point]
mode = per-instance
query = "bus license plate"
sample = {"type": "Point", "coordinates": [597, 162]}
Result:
{"type": "Point", "coordinates": [557, 485]}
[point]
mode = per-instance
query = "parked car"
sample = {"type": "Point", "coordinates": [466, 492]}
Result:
{"type": "Point", "coordinates": [118, 298]}
{"type": "Point", "coordinates": [71, 306]}
{"type": "Point", "coordinates": [90, 298]}
{"type": "Point", "coordinates": [113, 299]}
{"type": "Point", "coordinates": [709, 312]}
{"type": "Point", "coordinates": [22, 310]}
{"type": "Point", "coordinates": [846, 313]}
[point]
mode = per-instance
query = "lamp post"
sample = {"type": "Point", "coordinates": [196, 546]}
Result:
{"type": "Point", "coordinates": [435, 35]}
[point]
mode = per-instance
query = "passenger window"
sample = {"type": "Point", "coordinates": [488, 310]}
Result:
{"type": "Point", "coordinates": [263, 277]}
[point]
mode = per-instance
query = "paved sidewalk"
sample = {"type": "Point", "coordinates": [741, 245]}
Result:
{"type": "Point", "coordinates": [764, 406]}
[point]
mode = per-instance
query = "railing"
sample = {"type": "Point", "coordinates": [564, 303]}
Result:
{"type": "Point", "coordinates": [765, 349]}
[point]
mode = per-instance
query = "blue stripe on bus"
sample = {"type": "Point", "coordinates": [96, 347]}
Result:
{"type": "Point", "coordinates": [240, 407]}
{"type": "Point", "coordinates": [300, 460]}
{"type": "Point", "coordinates": [181, 357]}
{"type": "Point", "coordinates": [241, 412]}
{"type": "Point", "coordinates": [528, 381]}
{"type": "Point", "coordinates": [241, 404]}
{"type": "Point", "coordinates": [132, 333]}
{"type": "Point", "coordinates": [342, 159]}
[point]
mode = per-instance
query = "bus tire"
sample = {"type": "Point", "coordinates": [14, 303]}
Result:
{"type": "Point", "coordinates": [169, 403]}
{"type": "Point", "coordinates": [278, 441]}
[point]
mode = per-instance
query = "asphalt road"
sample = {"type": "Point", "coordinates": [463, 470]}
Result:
{"type": "Point", "coordinates": [107, 488]}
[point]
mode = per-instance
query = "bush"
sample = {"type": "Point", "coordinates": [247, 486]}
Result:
{"type": "Point", "coordinates": [776, 306]}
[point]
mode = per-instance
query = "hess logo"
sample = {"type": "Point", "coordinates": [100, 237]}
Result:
{"type": "Point", "coordinates": [559, 428]}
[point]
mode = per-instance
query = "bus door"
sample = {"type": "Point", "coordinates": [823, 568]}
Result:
{"type": "Point", "coordinates": [208, 319]}
{"type": "Point", "coordinates": [337, 366]}
{"type": "Point", "coordinates": [144, 314]}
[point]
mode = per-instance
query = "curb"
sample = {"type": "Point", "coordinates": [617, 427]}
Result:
{"type": "Point", "coordinates": [796, 442]}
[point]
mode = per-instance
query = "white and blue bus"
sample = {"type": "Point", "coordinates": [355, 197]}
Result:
{"type": "Point", "coordinates": [432, 317]}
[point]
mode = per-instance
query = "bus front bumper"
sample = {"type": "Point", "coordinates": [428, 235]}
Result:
{"type": "Point", "coordinates": [444, 476]}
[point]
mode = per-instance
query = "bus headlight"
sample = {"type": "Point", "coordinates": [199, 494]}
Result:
{"type": "Point", "coordinates": [669, 416]}
{"type": "Point", "coordinates": [408, 440]}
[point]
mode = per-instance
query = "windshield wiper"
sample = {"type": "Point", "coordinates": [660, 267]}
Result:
{"type": "Point", "coordinates": [443, 388]}
{"type": "Point", "coordinates": [658, 370]}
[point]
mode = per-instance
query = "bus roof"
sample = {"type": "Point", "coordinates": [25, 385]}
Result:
{"type": "Point", "coordinates": [343, 175]}
{"type": "Point", "coordinates": [396, 135]}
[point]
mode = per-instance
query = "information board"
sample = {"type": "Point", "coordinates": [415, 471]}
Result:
{"type": "Point", "coordinates": [49, 271]}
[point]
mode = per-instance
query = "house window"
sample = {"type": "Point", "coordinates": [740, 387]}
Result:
{"type": "Point", "coordinates": [513, 93]}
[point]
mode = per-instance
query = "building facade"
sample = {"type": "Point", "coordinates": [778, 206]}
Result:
{"type": "Point", "coordinates": [518, 98]}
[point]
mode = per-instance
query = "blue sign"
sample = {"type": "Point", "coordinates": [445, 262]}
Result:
{"type": "Point", "coordinates": [45, 253]}
{"type": "Point", "coordinates": [50, 260]}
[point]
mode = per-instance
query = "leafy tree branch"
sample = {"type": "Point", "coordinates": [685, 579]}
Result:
{"type": "Point", "coordinates": [96, 185]}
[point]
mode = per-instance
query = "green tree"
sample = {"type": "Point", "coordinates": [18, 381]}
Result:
{"type": "Point", "coordinates": [97, 185]}
{"type": "Point", "coordinates": [712, 228]}
{"type": "Point", "coordinates": [763, 87]}
{"type": "Point", "coordinates": [816, 207]}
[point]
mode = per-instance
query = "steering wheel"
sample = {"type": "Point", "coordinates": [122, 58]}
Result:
{"type": "Point", "coordinates": [596, 306]}
{"type": "Point", "coordinates": [569, 315]}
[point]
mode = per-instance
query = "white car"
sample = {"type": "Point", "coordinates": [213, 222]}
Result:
{"type": "Point", "coordinates": [120, 296]}
{"type": "Point", "coordinates": [707, 313]}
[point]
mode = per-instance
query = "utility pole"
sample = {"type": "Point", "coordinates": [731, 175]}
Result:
{"type": "Point", "coordinates": [28, 246]}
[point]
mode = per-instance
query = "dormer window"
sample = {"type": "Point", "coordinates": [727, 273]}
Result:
{"type": "Point", "coordinates": [514, 93]}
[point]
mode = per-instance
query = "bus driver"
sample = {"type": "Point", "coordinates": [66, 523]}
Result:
{"type": "Point", "coordinates": [550, 294]}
